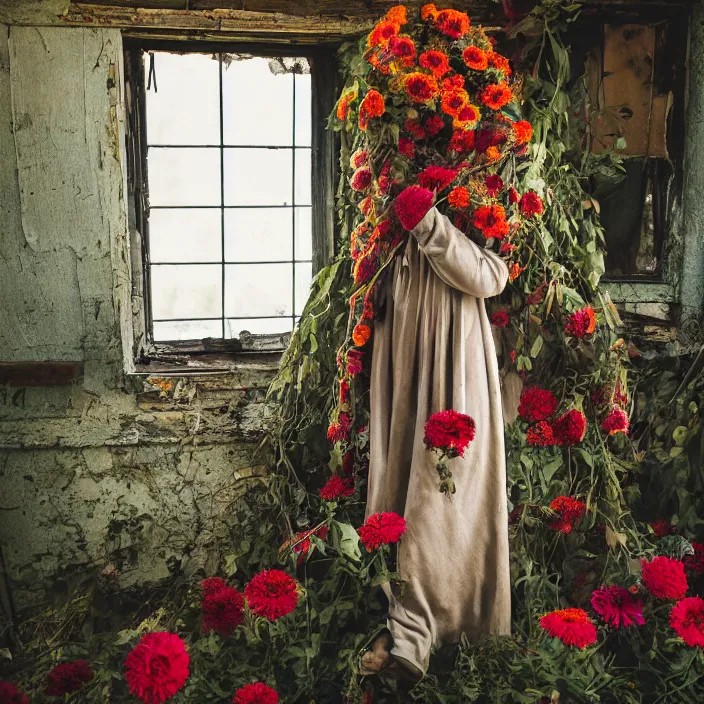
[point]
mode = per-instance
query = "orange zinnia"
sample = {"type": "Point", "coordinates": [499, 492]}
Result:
{"type": "Point", "coordinates": [453, 23]}
{"type": "Point", "coordinates": [344, 104]}
{"type": "Point", "coordinates": [467, 116]}
{"type": "Point", "coordinates": [500, 62]}
{"type": "Point", "coordinates": [475, 58]}
{"type": "Point", "coordinates": [397, 14]}
{"type": "Point", "coordinates": [420, 87]}
{"type": "Point", "coordinates": [514, 271]}
{"type": "Point", "coordinates": [382, 32]}
{"type": "Point", "coordinates": [458, 198]}
{"type": "Point", "coordinates": [436, 61]}
{"type": "Point", "coordinates": [428, 12]}
{"type": "Point", "coordinates": [361, 334]}
{"type": "Point", "coordinates": [453, 101]}
{"type": "Point", "coordinates": [497, 95]}
{"type": "Point", "coordinates": [523, 131]}
{"type": "Point", "coordinates": [373, 104]}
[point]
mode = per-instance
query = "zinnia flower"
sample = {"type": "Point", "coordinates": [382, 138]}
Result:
{"type": "Point", "coordinates": [302, 544]}
{"type": "Point", "coordinates": [475, 58]}
{"type": "Point", "coordinates": [523, 131]}
{"type": "Point", "coordinates": [662, 528]}
{"type": "Point", "coordinates": [515, 270]}
{"type": "Point", "coordinates": [359, 158]}
{"type": "Point", "coordinates": [467, 116]}
{"type": "Point", "coordinates": [354, 362]}
{"type": "Point", "coordinates": [428, 12]}
{"type": "Point", "coordinates": [412, 204]}
{"type": "Point", "coordinates": [618, 607]}
{"type": "Point", "coordinates": [337, 488]}
{"type": "Point", "coordinates": [344, 104]}
{"type": "Point", "coordinates": [361, 179]}
{"type": "Point", "coordinates": [687, 620]}
{"type": "Point", "coordinates": [616, 422]}
{"type": "Point", "coordinates": [458, 198]}
{"type": "Point", "coordinates": [540, 435]}
{"type": "Point", "coordinates": [494, 185]}
{"type": "Point", "coordinates": [462, 141]}
{"type": "Point", "coordinates": [452, 101]}
{"type": "Point", "coordinates": [406, 147]}
{"type": "Point", "coordinates": [570, 428]}
{"type": "Point", "coordinates": [339, 430]}
{"type": "Point", "coordinates": [531, 204]}
{"type": "Point", "coordinates": [695, 563]}
{"type": "Point", "coordinates": [499, 319]}
{"type": "Point", "coordinates": [382, 32]}
{"type": "Point", "coordinates": [581, 323]}
{"type": "Point", "coordinates": [434, 125]}
{"type": "Point", "coordinates": [361, 334]}
{"type": "Point", "coordinates": [450, 432]}
{"type": "Point", "coordinates": [403, 48]}
{"type": "Point", "coordinates": [436, 177]}
{"type": "Point", "coordinates": [371, 106]}
{"type": "Point", "coordinates": [257, 693]}
{"type": "Point", "coordinates": [500, 62]}
{"type": "Point", "coordinates": [157, 667]}
{"type": "Point", "coordinates": [414, 128]}
{"type": "Point", "coordinates": [212, 585]}
{"type": "Point", "coordinates": [536, 404]}
{"type": "Point", "coordinates": [68, 677]}
{"type": "Point", "coordinates": [491, 220]}
{"type": "Point", "coordinates": [452, 23]}
{"type": "Point", "coordinates": [381, 529]}
{"type": "Point", "coordinates": [366, 266]}
{"type": "Point", "coordinates": [9, 694]}
{"type": "Point", "coordinates": [497, 95]}
{"type": "Point", "coordinates": [513, 195]}
{"type": "Point", "coordinates": [397, 14]}
{"type": "Point", "coordinates": [421, 88]}
{"type": "Point", "coordinates": [569, 512]}
{"type": "Point", "coordinates": [271, 594]}
{"type": "Point", "coordinates": [223, 608]}
{"type": "Point", "coordinates": [436, 62]}
{"type": "Point", "coordinates": [664, 577]}
{"type": "Point", "coordinates": [571, 626]}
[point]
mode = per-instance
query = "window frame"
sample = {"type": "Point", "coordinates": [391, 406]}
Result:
{"type": "Point", "coordinates": [324, 150]}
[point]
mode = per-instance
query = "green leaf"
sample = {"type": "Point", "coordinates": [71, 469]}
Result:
{"type": "Point", "coordinates": [347, 540]}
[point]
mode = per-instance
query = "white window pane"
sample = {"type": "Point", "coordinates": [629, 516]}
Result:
{"type": "Point", "coordinates": [258, 176]}
{"type": "Point", "coordinates": [304, 233]}
{"type": "Point", "coordinates": [186, 107]}
{"type": "Point", "coordinates": [187, 330]}
{"type": "Point", "coordinates": [185, 235]}
{"type": "Point", "coordinates": [303, 110]}
{"type": "Point", "coordinates": [304, 276]}
{"type": "Point", "coordinates": [303, 177]}
{"type": "Point", "coordinates": [257, 104]}
{"type": "Point", "coordinates": [258, 234]}
{"type": "Point", "coordinates": [234, 327]}
{"type": "Point", "coordinates": [258, 290]}
{"type": "Point", "coordinates": [186, 291]}
{"type": "Point", "coordinates": [184, 176]}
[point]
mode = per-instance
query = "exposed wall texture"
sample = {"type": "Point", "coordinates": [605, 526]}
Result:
{"type": "Point", "coordinates": [128, 473]}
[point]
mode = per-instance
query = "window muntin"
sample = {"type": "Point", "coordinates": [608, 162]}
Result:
{"type": "Point", "coordinates": [229, 174]}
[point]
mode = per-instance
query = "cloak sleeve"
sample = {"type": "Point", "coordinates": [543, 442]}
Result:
{"type": "Point", "coordinates": [457, 260]}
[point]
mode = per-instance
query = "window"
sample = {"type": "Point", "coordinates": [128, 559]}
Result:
{"type": "Point", "coordinates": [221, 173]}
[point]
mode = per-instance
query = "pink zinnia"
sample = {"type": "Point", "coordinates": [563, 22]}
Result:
{"type": "Point", "coordinates": [618, 607]}
{"type": "Point", "coordinates": [687, 620]}
{"type": "Point", "coordinates": [412, 204]}
{"type": "Point", "coordinates": [664, 577]}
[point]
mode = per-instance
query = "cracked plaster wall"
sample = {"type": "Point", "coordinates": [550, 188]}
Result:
{"type": "Point", "coordinates": [130, 475]}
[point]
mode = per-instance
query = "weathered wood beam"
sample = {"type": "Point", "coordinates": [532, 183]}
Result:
{"type": "Point", "coordinates": [19, 374]}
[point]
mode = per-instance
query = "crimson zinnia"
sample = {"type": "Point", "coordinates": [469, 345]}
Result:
{"type": "Point", "coordinates": [687, 620]}
{"type": "Point", "coordinates": [257, 693]}
{"type": "Point", "coordinates": [412, 204]}
{"type": "Point", "coordinates": [616, 422]}
{"type": "Point", "coordinates": [618, 607]}
{"type": "Point", "coordinates": [664, 577]}
{"type": "Point", "coordinates": [581, 323]}
{"type": "Point", "coordinates": [337, 488]}
{"type": "Point", "coordinates": [9, 694]}
{"type": "Point", "coordinates": [223, 607]}
{"type": "Point", "coordinates": [570, 428]}
{"type": "Point", "coordinates": [541, 435]}
{"type": "Point", "coordinates": [571, 626]}
{"type": "Point", "coordinates": [450, 432]}
{"type": "Point", "coordinates": [157, 667]}
{"type": "Point", "coordinates": [695, 563]}
{"type": "Point", "coordinates": [68, 677]}
{"type": "Point", "coordinates": [272, 594]}
{"type": "Point", "coordinates": [381, 529]}
{"type": "Point", "coordinates": [569, 513]}
{"type": "Point", "coordinates": [536, 404]}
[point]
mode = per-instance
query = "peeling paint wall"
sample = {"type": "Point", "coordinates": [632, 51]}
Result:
{"type": "Point", "coordinates": [133, 475]}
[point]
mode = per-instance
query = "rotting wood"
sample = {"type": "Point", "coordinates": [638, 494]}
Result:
{"type": "Point", "coordinates": [21, 374]}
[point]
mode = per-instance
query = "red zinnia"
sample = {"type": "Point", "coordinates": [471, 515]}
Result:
{"type": "Point", "coordinates": [664, 577]}
{"type": "Point", "coordinates": [454, 100]}
{"type": "Point", "coordinates": [366, 266]}
{"type": "Point", "coordinates": [500, 319]}
{"type": "Point", "coordinates": [569, 512]}
{"type": "Point", "coordinates": [361, 179]}
{"type": "Point", "coordinates": [581, 323]}
{"type": "Point", "coordinates": [359, 158]}
{"type": "Point", "coordinates": [302, 544]}
{"type": "Point", "coordinates": [453, 23]}
{"type": "Point", "coordinates": [337, 488]}
{"type": "Point", "coordinates": [406, 147]}
{"type": "Point", "coordinates": [616, 422]}
{"type": "Point", "coordinates": [462, 141]}
{"type": "Point", "coordinates": [412, 204]}
{"type": "Point", "coordinates": [340, 430]}
{"type": "Point", "coordinates": [466, 116]}
{"type": "Point", "coordinates": [436, 177]}
{"type": "Point", "coordinates": [157, 667]}
{"type": "Point", "coordinates": [475, 58]}
{"type": "Point", "coordinates": [436, 62]}
{"type": "Point", "coordinates": [494, 185]}
{"type": "Point", "coordinates": [458, 198]}
{"type": "Point", "coordinates": [695, 563]}
{"type": "Point", "coordinates": [513, 195]}
{"type": "Point", "coordinates": [9, 694]}
{"type": "Point", "coordinates": [403, 48]}
{"type": "Point", "coordinates": [354, 362]}
{"type": "Point", "coordinates": [434, 125]}
{"type": "Point", "coordinates": [381, 529]}
{"type": "Point", "coordinates": [414, 128]}
{"type": "Point", "coordinates": [570, 428]}
{"type": "Point", "coordinates": [531, 204]}
{"type": "Point", "coordinates": [382, 32]}
{"type": "Point", "coordinates": [536, 404]}
{"type": "Point", "coordinates": [541, 435]}
{"type": "Point", "coordinates": [662, 528]}
{"type": "Point", "coordinates": [449, 431]}
{"type": "Point", "coordinates": [496, 96]}
{"type": "Point", "coordinates": [491, 220]}
{"type": "Point", "coordinates": [272, 594]}
{"type": "Point", "coordinates": [687, 620]}
{"type": "Point", "coordinates": [618, 607]}
{"type": "Point", "coordinates": [257, 693]}
{"type": "Point", "coordinates": [420, 87]}
{"type": "Point", "coordinates": [571, 626]}
{"type": "Point", "coordinates": [223, 608]}
{"type": "Point", "coordinates": [68, 677]}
